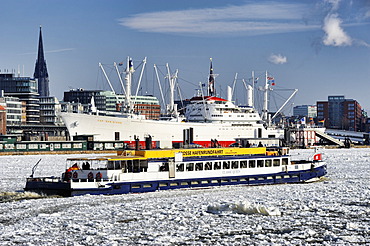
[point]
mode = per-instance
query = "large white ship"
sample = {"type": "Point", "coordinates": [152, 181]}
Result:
{"type": "Point", "coordinates": [207, 118]}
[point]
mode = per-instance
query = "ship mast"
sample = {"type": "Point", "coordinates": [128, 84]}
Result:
{"type": "Point", "coordinates": [265, 101]}
{"type": "Point", "coordinates": [172, 110]}
{"type": "Point", "coordinates": [128, 83]}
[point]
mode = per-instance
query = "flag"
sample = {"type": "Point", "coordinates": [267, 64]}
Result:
{"type": "Point", "coordinates": [131, 66]}
{"type": "Point", "coordinates": [322, 121]}
{"type": "Point", "coordinates": [317, 157]}
{"type": "Point", "coordinates": [211, 81]}
{"type": "Point", "coordinates": [271, 80]}
{"type": "Point", "coordinates": [303, 120]}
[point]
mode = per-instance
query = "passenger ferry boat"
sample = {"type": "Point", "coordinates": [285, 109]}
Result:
{"type": "Point", "coordinates": [152, 170]}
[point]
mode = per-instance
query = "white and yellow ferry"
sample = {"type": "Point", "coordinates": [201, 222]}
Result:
{"type": "Point", "coordinates": [152, 170]}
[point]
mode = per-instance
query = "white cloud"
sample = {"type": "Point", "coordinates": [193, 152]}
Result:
{"type": "Point", "coordinates": [249, 19]}
{"type": "Point", "coordinates": [49, 51]}
{"type": "Point", "coordinates": [333, 27]}
{"type": "Point", "coordinates": [277, 59]}
{"type": "Point", "coordinates": [60, 50]}
{"type": "Point", "coordinates": [334, 33]}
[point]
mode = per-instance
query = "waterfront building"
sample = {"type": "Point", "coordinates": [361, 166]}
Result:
{"type": "Point", "coordinates": [108, 101]}
{"type": "Point", "coordinates": [143, 105]}
{"type": "Point", "coordinates": [41, 73]}
{"type": "Point", "coordinates": [49, 111]}
{"type": "Point", "coordinates": [340, 113]}
{"type": "Point", "coordinates": [2, 120]}
{"type": "Point", "coordinates": [83, 97]}
{"type": "Point", "coordinates": [74, 107]}
{"type": "Point", "coordinates": [24, 88]}
{"type": "Point", "coordinates": [15, 110]}
{"type": "Point", "coordinates": [309, 111]}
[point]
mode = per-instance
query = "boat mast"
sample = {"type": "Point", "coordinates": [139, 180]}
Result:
{"type": "Point", "coordinates": [232, 91]}
{"type": "Point", "coordinates": [140, 78]}
{"type": "Point", "coordinates": [106, 77]}
{"type": "Point", "coordinates": [119, 77]}
{"type": "Point", "coordinates": [253, 83]}
{"type": "Point", "coordinates": [285, 103]}
{"type": "Point", "coordinates": [172, 81]}
{"type": "Point", "coordinates": [265, 101]}
{"type": "Point", "coordinates": [159, 84]}
{"type": "Point", "coordinates": [128, 81]}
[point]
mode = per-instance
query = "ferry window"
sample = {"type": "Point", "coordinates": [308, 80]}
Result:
{"type": "Point", "coordinates": [164, 167]}
{"type": "Point", "coordinates": [268, 163]}
{"type": "Point", "coordinates": [234, 164]}
{"type": "Point", "coordinates": [284, 161]}
{"type": "Point", "coordinates": [117, 164]}
{"type": "Point", "coordinates": [217, 165]}
{"type": "Point", "coordinates": [226, 165]}
{"type": "Point", "coordinates": [180, 167]}
{"type": "Point", "coordinates": [110, 165]}
{"type": "Point", "coordinates": [276, 162]}
{"type": "Point", "coordinates": [243, 164]}
{"type": "Point", "coordinates": [208, 166]}
{"type": "Point", "coordinates": [252, 163]}
{"type": "Point", "coordinates": [199, 166]}
{"type": "Point", "coordinates": [189, 166]}
{"type": "Point", "coordinates": [259, 163]}
{"type": "Point", "coordinates": [130, 166]}
{"type": "Point", "coordinates": [123, 166]}
{"type": "Point", "coordinates": [142, 166]}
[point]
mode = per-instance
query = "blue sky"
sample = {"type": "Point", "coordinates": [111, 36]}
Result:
{"type": "Point", "coordinates": [319, 47]}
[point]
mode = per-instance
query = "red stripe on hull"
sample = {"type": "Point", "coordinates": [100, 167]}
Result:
{"type": "Point", "coordinates": [205, 144]}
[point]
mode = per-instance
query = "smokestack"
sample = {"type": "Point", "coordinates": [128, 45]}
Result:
{"type": "Point", "coordinates": [229, 94]}
{"type": "Point", "coordinates": [250, 96]}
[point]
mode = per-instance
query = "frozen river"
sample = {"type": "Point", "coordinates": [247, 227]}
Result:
{"type": "Point", "coordinates": [332, 212]}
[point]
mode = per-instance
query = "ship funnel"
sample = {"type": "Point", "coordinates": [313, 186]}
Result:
{"type": "Point", "coordinates": [229, 94]}
{"type": "Point", "coordinates": [250, 96]}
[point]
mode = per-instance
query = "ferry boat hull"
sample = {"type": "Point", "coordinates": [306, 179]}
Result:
{"type": "Point", "coordinates": [117, 188]}
{"type": "Point", "coordinates": [123, 182]}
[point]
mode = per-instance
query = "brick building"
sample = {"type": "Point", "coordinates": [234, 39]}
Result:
{"type": "Point", "coordinates": [340, 113]}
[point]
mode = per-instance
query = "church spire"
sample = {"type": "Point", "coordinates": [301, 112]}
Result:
{"type": "Point", "coordinates": [41, 72]}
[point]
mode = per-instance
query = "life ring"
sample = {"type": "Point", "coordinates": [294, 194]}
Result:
{"type": "Point", "coordinates": [68, 175]}
{"type": "Point", "coordinates": [98, 176]}
{"type": "Point", "coordinates": [90, 176]}
{"type": "Point", "coordinates": [75, 175]}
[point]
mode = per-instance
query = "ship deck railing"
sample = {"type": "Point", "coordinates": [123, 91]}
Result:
{"type": "Point", "coordinates": [45, 179]}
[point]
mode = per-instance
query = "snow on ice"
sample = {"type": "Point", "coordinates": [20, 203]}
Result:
{"type": "Point", "coordinates": [332, 212]}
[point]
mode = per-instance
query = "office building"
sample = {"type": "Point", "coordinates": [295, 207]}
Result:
{"type": "Point", "coordinates": [49, 111]}
{"type": "Point", "coordinates": [24, 88]}
{"type": "Point", "coordinates": [108, 101]}
{"type": "Point", "coordinates": [305, 111]}
{"type": "Point", "coordinates": [340, 113]}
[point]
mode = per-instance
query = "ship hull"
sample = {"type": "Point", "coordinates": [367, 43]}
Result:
{"type": "Point", "coordinates": [106, 128]}
{"type": "Point", "coordinates": [116, 188]}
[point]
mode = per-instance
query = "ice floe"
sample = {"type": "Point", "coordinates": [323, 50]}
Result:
{"type": "Point", "coordinates": [331, 212]}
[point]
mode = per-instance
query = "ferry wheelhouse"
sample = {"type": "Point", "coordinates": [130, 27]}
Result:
{"type": "Point", "coordinates": [152, 170]}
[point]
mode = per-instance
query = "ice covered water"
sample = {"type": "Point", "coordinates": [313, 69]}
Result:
{"type": "Point", "coordinates": [335, 211]}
